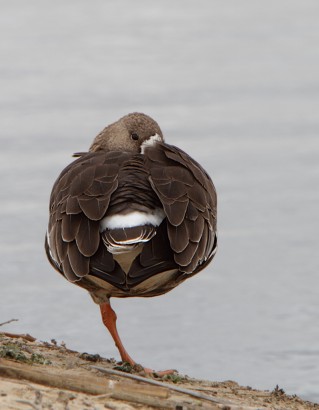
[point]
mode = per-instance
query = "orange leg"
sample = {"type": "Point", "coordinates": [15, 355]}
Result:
{"type": "Point", "coordinates": [109, 320]}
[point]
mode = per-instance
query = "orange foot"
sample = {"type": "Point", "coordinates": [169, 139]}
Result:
{"type": "Point", "coordinates": [161, 373]}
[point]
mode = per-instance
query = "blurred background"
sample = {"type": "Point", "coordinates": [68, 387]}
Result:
{"type": "Point", "coordinates": [235, 84]}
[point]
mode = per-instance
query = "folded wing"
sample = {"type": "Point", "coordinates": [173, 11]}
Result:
{"type": "Point", "coordinates": [189, 200]}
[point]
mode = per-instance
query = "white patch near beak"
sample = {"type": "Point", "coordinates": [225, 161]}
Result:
{"type": "Point", "coordinates": [153, 140]}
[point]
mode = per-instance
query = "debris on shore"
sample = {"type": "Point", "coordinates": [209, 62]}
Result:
{"type": "Point", "coordinates": [47, 375]}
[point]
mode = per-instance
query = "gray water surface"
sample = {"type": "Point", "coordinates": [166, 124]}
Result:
{"type": "Point", "coordinates": [235, 84]}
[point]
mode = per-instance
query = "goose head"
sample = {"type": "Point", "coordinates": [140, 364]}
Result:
{"type": "Point", "coordinates": [132, 133]}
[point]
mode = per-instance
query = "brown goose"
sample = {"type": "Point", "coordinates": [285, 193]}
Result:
{"type": "Point", "coordinates": [134, 216]}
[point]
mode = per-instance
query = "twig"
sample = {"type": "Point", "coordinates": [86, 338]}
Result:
{"type": "Point", "coordinates": [158, 383]}
{"type": "Point", "coordinates": [8, 321]}
{"type": "Point", "coordinates": [29, 404]}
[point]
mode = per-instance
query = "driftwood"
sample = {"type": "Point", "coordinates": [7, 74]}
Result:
{"type": "Point", "coordinates": [52, 377]}
{"type": "Point", "coordinates": [161, 384]}
{"type": "Point", "coordinates": [26, 336]}
{"type": "Point", "coordinates": [159, 396]}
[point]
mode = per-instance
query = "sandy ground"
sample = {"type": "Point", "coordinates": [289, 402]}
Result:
{"type": "Point", "coordinates": [40, 375]}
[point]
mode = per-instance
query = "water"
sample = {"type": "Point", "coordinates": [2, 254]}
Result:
{"type": "Point", "coordinates": [233, 83]}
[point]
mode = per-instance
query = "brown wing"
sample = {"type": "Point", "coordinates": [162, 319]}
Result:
{"type": "Point", "coordinates": [79, 200]}
{"type": "Point", "coordinates": [189, 200]}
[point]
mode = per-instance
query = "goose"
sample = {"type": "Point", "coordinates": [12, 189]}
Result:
{"type": "Point", "coordinates": [132, 217]}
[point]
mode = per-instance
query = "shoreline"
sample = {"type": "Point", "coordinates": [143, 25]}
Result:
{"type": "Point", "coordinates": [45, 375]}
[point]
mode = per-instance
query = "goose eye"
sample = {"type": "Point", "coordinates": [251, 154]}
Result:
{"type": "Point", "coordinates": [134, 136]}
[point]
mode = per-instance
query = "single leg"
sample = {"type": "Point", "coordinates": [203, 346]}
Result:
{"type": "Point", "coordinates": [109, 320]}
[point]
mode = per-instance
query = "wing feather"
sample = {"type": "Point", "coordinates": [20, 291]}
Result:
{"type": "Point", "coordinates": [61, 246]}
{"type": "Point", "coordinates": [195, 229]}
{"type": "Point", "coordinates": [79, 200]}
{"type": "Point", "coordinates": [78, 262]}
{"type": "Point", "coordinates": [186, 257]}
{"type": "Point", "coordinates": [70, 226]}
{"type": "Point", "coordinates": [72, 205]}
{"type": "Point", "coordinates": [68, 272]}
{"type": "Point", "coordinates": [94, 208]}
{"type": "Point", "coordinates": [189, 201]}
{"type": "Point", "coordinates": [178, 237]}
{"type": "Point", "coordinates": [175, 211]}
